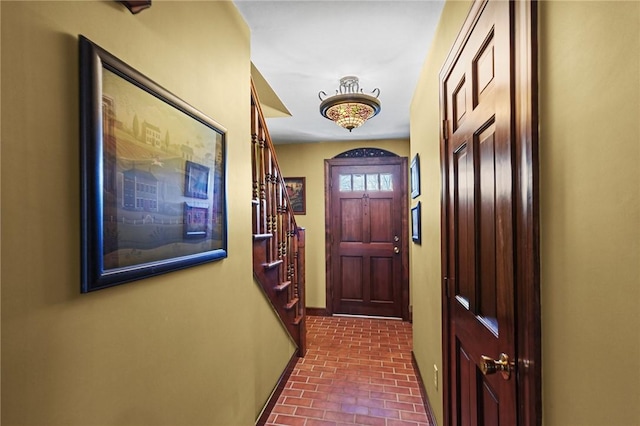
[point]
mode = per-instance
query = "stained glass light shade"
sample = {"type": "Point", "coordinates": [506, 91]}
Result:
{"type": "Point", "coordinates": [349, 107]}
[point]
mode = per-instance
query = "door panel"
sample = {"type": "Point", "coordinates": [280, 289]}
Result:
{"type": "Point", "coordinates": [366, 233]}
{"type": "Point", "coordinates": [381, 217]}
{"type": "Point", "coordinates": [382, 280]}
{"type": "Point", "coordinates": [351, 220]}
{"type": "Point", "coordinates": [490, 405]}
{"type": "Point", "coordinates": [351, 276]}
{"type": "Point", "coordinates": [487, 226]}
{"type": "Point", "coordinates": [463, 209]}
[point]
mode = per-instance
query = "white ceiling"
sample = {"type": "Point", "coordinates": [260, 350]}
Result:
{"type": "Point", "coordinates": [302, 47]}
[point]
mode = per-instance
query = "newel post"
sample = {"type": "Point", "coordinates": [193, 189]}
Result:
{"type": "Point", "coordinates": [302, 305]}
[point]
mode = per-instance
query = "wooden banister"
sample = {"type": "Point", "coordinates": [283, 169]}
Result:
{"type": "Point", "coordinates": [278, 242]}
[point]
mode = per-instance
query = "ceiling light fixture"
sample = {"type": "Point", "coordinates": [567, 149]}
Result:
{"type": "Point", "coordinates": [349, 107]}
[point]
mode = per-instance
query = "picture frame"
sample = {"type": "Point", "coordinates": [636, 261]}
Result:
{"type": "Point", "coordinates": [415, 176]}
{"type": "Point", "coordinates": [296, 189]}
{"type": "Point", "coordinates": [136, 6]}
{"type": "Point", "coordinates": [196, 182]}
{"type": "Point", "coordinates": [153, 176]}
{"type": "Point", "coordinates": [416, 218]}
{"type": "Point", "coordinates": [195, 220]}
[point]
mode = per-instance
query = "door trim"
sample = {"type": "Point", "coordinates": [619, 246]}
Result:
{"type": "Point", "coordinates": [524, 42]}
{"type": "Point", "coordinates": [328, 164]}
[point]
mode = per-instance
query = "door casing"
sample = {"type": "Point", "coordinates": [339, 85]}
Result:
{"type": "Point", "coordinates": [404, 245]}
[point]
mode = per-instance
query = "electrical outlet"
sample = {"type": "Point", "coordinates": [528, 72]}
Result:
{"type": "Point", "coordinates": [435, 376]}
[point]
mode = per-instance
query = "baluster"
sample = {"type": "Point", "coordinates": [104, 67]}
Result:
{"type": "Point", "coordinates": [255, 172]}
{"type": "Point", "coordinates": [294, 278]}
{"type": "Point", "coordinates": [269, 201]}
{"type": "Point", "coordinates": [273, 208]}
{"type": "Point", "coordinates": [292, 262]}
{"type": "Point", "coordinates": [262, 175]}
{"type": "Point", "coordinates": [285, 236]}
{"type": "Point", "coordinates": [283, 223]}
{"type": "Point", "coordinates": [282, 230]}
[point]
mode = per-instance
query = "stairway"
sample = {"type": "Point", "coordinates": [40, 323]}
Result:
{"type": "Point", "coordinates": [278, 243]}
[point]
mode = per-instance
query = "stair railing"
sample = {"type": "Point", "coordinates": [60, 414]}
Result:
{"type": "Point", "coordinates": [279, 244]}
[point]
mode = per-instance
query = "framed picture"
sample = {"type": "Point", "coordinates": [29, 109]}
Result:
{"type": "Point", "coordinates": [195, 221]}
{"type": "Point", "coordinates": [415, 176]}
{"type": "Point", "coordinates": [297, 194]}
{"type": "Point", "coordinates": [196, 181]}
{"type": "Point", "coordinates": [153, 176]}
{"type": "Point", "coordinates": [415, 224]}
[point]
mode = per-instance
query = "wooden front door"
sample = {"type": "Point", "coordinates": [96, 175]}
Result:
{"type": "Point", "coordinates": [486, 196]}
{"type": "Point", "coordinates": [366, 236]}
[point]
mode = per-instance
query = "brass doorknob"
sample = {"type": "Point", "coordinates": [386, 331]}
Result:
{"type": "Point", "coordinates": [491, 366]}
{"type": "Point", "coordinates": [396, 250]}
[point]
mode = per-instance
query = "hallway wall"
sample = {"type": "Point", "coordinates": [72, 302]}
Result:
{"type": "Point", "coordinates": [425, 258]}
{"type": "Point", "coordinates": [590, 210]}
{"type": "Point", "coordinates": [196, 347]}
{"type": "Point", "coordinates": [307, 159]}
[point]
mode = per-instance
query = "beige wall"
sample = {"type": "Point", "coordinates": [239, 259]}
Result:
{"type": "Point", "coordinates": [425, 258]}
{"type": "Point", "coordinates": [307, 159]}
{"type": "Point", "coordinates": [194, 347]}
{"type": "Point", "coordinates": [590, 211]}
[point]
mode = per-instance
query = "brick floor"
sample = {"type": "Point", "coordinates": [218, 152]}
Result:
{"type": "Point", "coordinates": [357, 371]}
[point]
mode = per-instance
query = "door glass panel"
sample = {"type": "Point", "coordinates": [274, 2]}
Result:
{"type": "Point", "coordinates": [358, 182]}
{"type": "Point", "coordinates": [345, 183]}
{"type": "Point", "coordinates": [372, 182]}
{"type": "Point", "coordinates": [386, 182]}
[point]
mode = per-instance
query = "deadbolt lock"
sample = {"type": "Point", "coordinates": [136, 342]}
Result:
{"type": "Point", "coordinates": [491, 366]}
{"type": "Point", "coordinates": [396, 238]}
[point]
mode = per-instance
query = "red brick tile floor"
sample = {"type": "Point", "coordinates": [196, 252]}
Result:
{"type": "Point", "coordinates": [357, 371]}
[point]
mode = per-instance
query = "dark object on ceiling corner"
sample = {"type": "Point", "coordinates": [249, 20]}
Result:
{"type": "Point", "coordinates": [136, 6]}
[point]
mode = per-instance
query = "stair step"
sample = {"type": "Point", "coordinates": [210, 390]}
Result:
{"type": "Point", "coordinates": [273, 264]}
{"type": "Point", "coordinates": [262, 237]}
{"type": "Point", "coordinates": [282, 286]}
{"type": "Point", "coordinates": [292, 303]}
{"type": "Point", "coordinates": [298, 320]}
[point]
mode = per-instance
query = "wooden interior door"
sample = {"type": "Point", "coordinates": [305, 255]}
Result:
{"type": "Point", "coordinates": [366, 237]}
{"type": "Point", "coordinates": [486, 182]}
